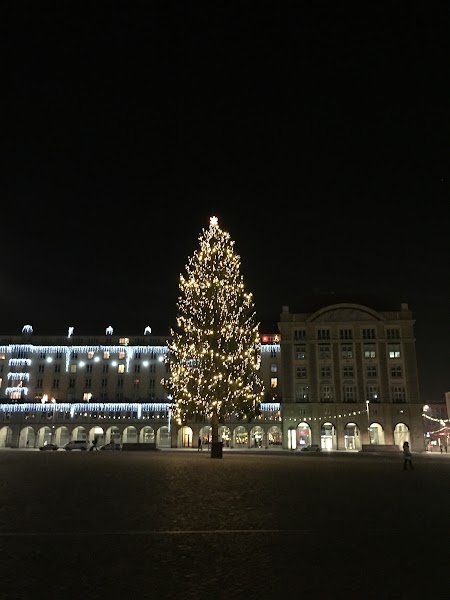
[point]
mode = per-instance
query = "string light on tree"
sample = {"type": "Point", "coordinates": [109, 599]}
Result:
{"type": "Point", "coordinates": [215, 354]}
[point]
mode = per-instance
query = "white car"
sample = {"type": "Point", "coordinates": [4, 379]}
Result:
{"type": "Point", "coordinates": [77, 445]}
{"type": "Point", "coordinates": [311, 448]}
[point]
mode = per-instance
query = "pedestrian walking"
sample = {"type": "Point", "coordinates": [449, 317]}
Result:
{"type": "Point", "coordinates": [199, 445]}
{"type": "Point", "coordinates": [445, 448]}
{"type": "Point", "coordinates": [442, 449]}
{"type": "Point", "coordinates": [407, 456]}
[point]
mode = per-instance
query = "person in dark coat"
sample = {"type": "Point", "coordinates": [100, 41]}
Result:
{"type": "Point", "coordinates": [407, 456]}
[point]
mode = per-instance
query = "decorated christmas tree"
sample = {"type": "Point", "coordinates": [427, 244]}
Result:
{"type": "Point", "coordinates": [215, 353]}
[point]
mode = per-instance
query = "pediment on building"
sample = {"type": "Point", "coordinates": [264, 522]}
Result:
{"type": "Point", "coordinates": [345, 312]}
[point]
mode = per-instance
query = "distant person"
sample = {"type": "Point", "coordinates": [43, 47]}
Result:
{"type": "Point", "coordinates": [445, 448]}
{"type": "Point", "coordinates": [442, 449]}
{"type": "Point", "coordinates": [407, 456]}
{"type": "Point", "coordinates": [199, 444]}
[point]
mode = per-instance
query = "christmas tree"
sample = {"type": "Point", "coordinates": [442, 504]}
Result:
{"type": "Point", "coordinates": [215, 354]}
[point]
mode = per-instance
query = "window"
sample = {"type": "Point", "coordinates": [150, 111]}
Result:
{"type": "Point", "coordinates": [72, 383]}
{"type": "Point", "coordinates": [398, 394]}
{"type": "Point", "coordinates": [368, 334]}
{"type": "Point", "coordinates": [301, 373]}
{"type": "Point", "coordinates": [371, 371]}
{"type": "Point", "coordinates": [121, 369]}
{"type": "Point", "coordinates": [104, 383]}
{"type": "Point", "coordinates": [90, 354]}
{"type": "Point", "coordinates": [299, 334]}
{"type": "Point", "coordinates": [106, 354]}
{"type": "Point", "coordinates": [348, 371]}
{"type": "Point", "coordinates": [370, 351]}
{"type": "Point", "coordinates": [349, 393]}
{"type": "Point", "coordinates": [120, 382]}
{"type": "Point", "coordinates": [58, 354]}
{"type": "Point", "coordinates": [124, 341]}
{"type": "Point", "coordinates": [325, 372]}
{"type": "Point", "coordinates": [273, 382]}
{"type": "Point", "coordinates": [345, 334]}
{"type": "Point", "coordinates": [88, 368]}
{"type": "Point", "coordinates": [394, 351]}
{"type": "Point", "coordinates": [136, 384]}
{"type": "Point", "coordinates": [273, 368]}
{"type": "Point", "coordinates": [300, 352]}
{"type": "Point", "coordinates": [301, 393]}
{"type": "Point", "coordinates": [39, 383]}
{"type": "Point", "coordinates": [326, 393]}
{"type": "Point", "coordinates": [55, 383]}
{"type": "Point", "coordinates": [324, 351]}
{"type": "Point", "coordinates": [57, 369]}
{"type": "Point", "coordinates": [396, 372]}
{"type": "Point", "coordinates": [393, 334]}
{"type": "Point", "coordinates": [42, 355]}
{"type": "Point", "coordinates": [346, 351]}
{"type": "Point", "coordinates": [121, 355]}
{"type": "Point", "coordinates": [372, 394]}
{"type": "Point", "coordinates": [105, 368]}
{"type": "Point", "coordinates": [273, 353]}
{"type": "Point", "coordinates": [137, 368]}
{"type": "Point", "coordinates": [73, 368]}
{"type": "Point", "coordinates": [74, 355]}
{"type": "Point", "coordinates": [137, 355]}
{"type": "Point", "coordinates": [323, 334]}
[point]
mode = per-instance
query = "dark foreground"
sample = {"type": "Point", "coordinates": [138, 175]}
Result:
{"type": "Point", "coordinates": [180, 525]}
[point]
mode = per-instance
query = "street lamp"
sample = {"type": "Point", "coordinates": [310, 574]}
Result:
{"type": "Point", "coordinates": [368, 420]}
{"type": "Point", "coordinates": [426, 408]}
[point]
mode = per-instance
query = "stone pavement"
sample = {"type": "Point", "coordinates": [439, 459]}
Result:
{"type": "Point", "coordinates": [177, 524]}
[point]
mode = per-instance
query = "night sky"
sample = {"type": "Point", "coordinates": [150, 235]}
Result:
{"type": "Point", "coordinates": [318, 135]}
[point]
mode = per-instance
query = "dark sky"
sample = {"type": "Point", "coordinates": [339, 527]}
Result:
{"type": "Point", "coordinates": [317, 134]}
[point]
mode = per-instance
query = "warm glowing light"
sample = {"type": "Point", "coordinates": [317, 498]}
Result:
{"type": "Point", "coordinates": [215, 355]}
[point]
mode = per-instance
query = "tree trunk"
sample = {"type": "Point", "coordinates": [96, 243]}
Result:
{"type": "Point", "coordinates": [214, 428]}
{"type": "Point", "coordinates": [216, 445]}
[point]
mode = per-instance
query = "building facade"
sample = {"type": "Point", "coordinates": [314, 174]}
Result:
{"type": "Point", "coordinates": [343, 376]}
{"type": "Point", "coordinates": [349, 378]}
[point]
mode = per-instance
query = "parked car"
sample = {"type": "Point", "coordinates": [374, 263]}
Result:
{"type": "Point", "coordinates": [112, 446]}
{"type": "Point", "coordinates": [311, 448]}
{"type": "Point", "coordinates": [50, 446]}
{"type": "Point", "coordinates": [77, 445]}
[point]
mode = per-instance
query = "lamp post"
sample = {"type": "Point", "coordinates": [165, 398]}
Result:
{"type": "Point", "coordinates": [368, 420]}
{"type": "Point", "coordinates": [53, 401]}
{"type": "Point", "coordinates": [426, 408]}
